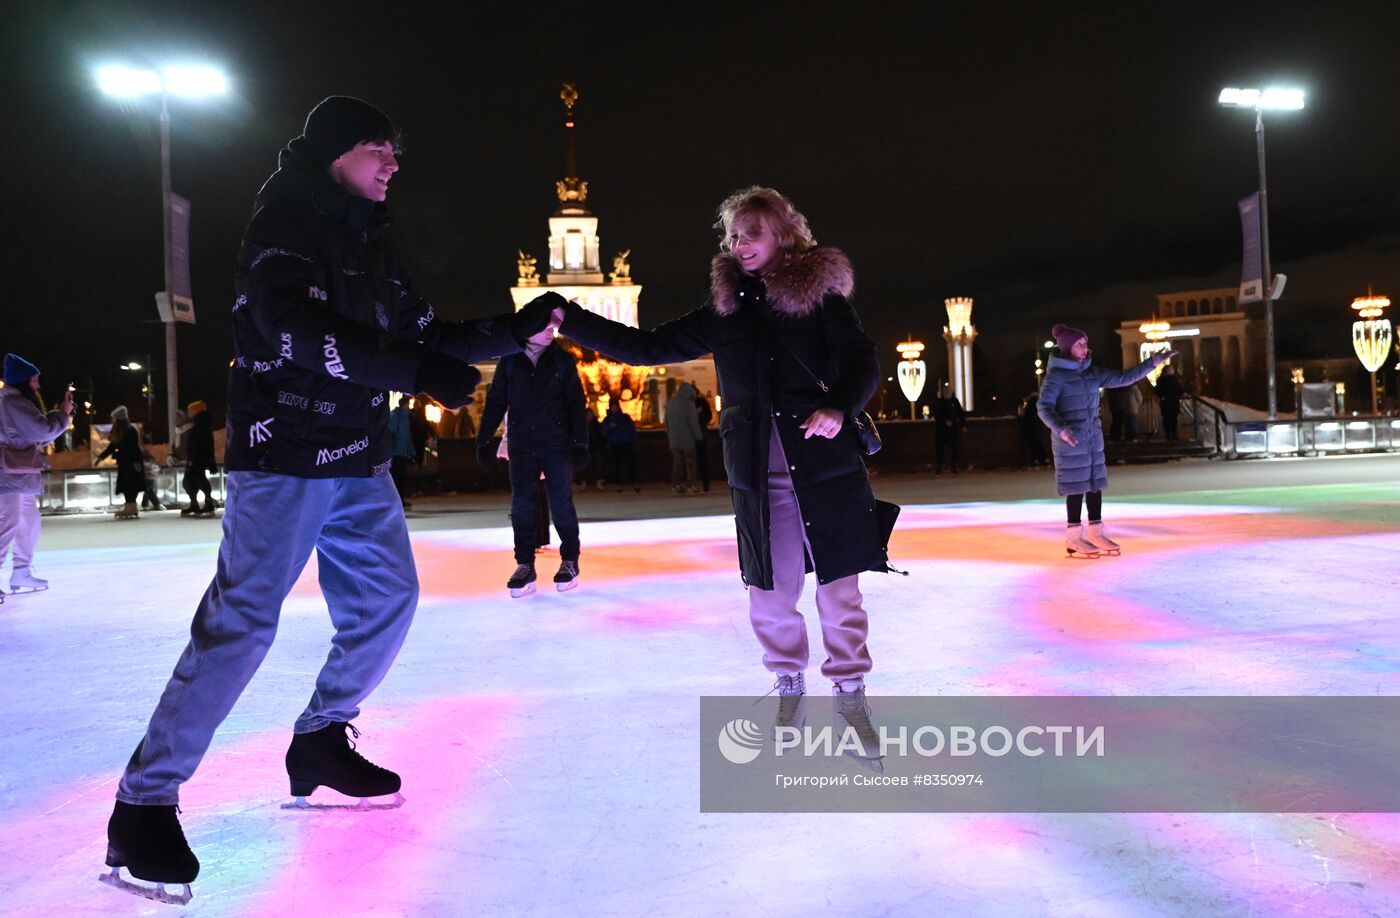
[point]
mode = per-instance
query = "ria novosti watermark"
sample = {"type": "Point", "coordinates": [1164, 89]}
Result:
{"type": "Point", "coordinates": [1056, 754]}
{"type": "Point", "coordinates": [955, 741]}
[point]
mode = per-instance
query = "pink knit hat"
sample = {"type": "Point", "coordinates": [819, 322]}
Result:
{"type": "Point", "coordinates": [1065, 337]}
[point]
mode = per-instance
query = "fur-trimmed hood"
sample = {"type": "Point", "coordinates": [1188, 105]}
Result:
{"type": "Point", "coordinates": [794, 287]}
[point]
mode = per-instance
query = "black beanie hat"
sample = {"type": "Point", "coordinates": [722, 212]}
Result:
{"type": "Point", "coordinates": [338, 123]}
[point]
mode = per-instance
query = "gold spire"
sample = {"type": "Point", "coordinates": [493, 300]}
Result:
{"type": "Point", "coordinates": [572, 190]}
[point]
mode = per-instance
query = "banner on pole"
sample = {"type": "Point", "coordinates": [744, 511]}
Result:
{"type": "Point", "coordinates": [1252, 269]}
{"type": "Point", "coordinates": [180, 259]}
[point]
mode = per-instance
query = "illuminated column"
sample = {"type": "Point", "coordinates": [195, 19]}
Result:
{"type": "Point", "coordinates": [1370, 336]}
{"type": "Point", "coordinates": [912, 373]}
{"type": "Point", "coordinates": [959, 333]}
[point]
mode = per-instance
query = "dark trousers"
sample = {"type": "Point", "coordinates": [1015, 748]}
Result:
{"type": "Point", "coordinates": [943, 442]}
{"type": "Point", "coordinates": [1035, 447]}
{"type": "Point", "coordinates": [541, 514]}
{"type": "Point", "coordinates": [1169, 425]}
{"type": "Point", "coordinates": [558, 471]}
{"type": "Point", "coordinates": [398, 470]}
{"type": "Point", "coordinates": [1074, 503]}
{"type": "Point", "coordinates": [195, 483]}
{"type": "Point", "coordinates": [622, 464]}
{"type": "Point", "coordinates": [702, 460]}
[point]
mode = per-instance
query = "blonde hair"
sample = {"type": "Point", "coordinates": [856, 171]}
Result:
{"type": "Point", "coordinates": [756, 202]}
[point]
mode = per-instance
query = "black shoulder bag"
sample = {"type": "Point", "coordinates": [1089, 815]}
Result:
{"type": "Point", "coordinates": [867, 434]}
{"type": "Point", "coordinates": [869, 438]}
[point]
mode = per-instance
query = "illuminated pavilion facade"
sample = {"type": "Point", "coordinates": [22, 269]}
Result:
{"type": "Point", "coordinates": [1222, 347]}
{"type": "Point", "coordinates": [575, 271]}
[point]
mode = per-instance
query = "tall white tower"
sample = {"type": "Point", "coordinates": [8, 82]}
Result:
{"type": "Point", "coordinates": [959, 333]}
{"type": "Point", "coordinates": [575, 271]}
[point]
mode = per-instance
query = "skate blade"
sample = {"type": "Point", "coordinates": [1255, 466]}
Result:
{"type": "Point", "coordinates": [876, 764]}
{"type": "Point", "coordinates": [1082, 555]}
{"type": "Point", "coordinates": [518, 592]}
{"type": "Point", "coordinates": [363, 804]}
{"type": "Point", "coordinates": [20, 591]}
{"type": "Point", "coordinates": [157, 893]}
{"type": "Point", "coordinates": [566, 586]}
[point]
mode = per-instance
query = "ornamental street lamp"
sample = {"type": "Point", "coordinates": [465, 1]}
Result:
{"type": "Point", "coordinates": [1274, 99]}
{"type": "Point", "coordinates": [181, 82]}
{"type": "Point", "coordinates": [1370, 336]}
{"type": "Point", "coordinates": [912, 373]}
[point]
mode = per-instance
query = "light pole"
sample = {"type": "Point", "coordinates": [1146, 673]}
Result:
{"type": "Point", "coordinates": [1278, 99]}
{"type": "Point", "coordinates": [184, 82]}
{"type": "Point", "coordinates": [148, 391]}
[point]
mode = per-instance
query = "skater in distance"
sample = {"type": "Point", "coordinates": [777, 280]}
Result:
{"type": "Point", "coordinates": [1069, 406]}
{"type": "Point", "coordinates": [326, 322]}
{"type": "Point", "coordinates": [540, 396]}
{"type": "Point", "coordinates": [25, 428]}
{"type": "Point", "coordinates": [793, 364]}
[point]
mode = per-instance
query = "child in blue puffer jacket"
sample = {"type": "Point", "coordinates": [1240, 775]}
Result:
{"type": "Point", "coordinates": [1069, 406]}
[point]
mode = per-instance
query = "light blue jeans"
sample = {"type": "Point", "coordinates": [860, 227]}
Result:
{"type": "Point", "coordinates": [271, 524]}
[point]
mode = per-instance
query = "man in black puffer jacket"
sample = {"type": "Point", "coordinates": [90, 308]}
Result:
{"type": "Point", "coordinates": [547, 434]}
{"type": "Point", "coordinates": [326, 323]}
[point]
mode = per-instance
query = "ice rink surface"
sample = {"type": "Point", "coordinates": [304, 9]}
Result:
{"type": "Point", "coordinates": [549, 744]}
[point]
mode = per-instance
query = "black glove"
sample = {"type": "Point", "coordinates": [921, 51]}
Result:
{"type": "Point", "coordinates": [531, 319]}
{"type": "Point", "coordinates": [449, 381]}
{"type": "Point", "coordinates": [580, 458]}
{"type": "Point", "coordinates": [485, 454]}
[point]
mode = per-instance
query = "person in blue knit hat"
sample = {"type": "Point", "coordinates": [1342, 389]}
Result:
{"type": "Point", "coordinates": [25, 427]}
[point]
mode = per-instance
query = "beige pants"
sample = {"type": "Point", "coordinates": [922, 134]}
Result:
{"type": "Point", "coordinates": [780, 628]}
{"type": "Point", "coordinates": [19, 527]}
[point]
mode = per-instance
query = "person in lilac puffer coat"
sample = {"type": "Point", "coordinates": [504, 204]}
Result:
{"type": "Point", "coordinates": [1069, 406]}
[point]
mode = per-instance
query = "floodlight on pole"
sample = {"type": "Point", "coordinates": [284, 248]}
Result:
{"type": "Point", "coordinates": [1273, 98]}
{"type": "Point", "coordinates": [185, 82]}
{"type": "Point", "coordinates": [146, 390]}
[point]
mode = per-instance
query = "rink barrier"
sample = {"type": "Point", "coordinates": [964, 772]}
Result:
{"type": "Point", "coordinates": [94, 490]}
{"type": "Point", "coordinates": [1311, 437]}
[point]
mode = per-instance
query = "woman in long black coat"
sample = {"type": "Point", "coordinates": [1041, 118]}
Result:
{"type": "Point", "coordinates": [199, 460]}
{"type": "Point", "coordinates": [124, 444]}
{"type": "Point", "coordinates": [793, 364]}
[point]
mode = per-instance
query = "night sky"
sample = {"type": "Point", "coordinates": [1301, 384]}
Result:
{"type": "Point", "coordinates": [1057, 162]}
